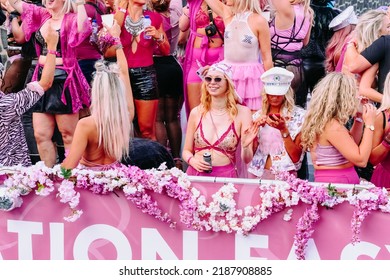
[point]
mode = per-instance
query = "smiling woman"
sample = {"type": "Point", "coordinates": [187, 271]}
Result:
{"type": "Point", "coordinates": [217, 126]}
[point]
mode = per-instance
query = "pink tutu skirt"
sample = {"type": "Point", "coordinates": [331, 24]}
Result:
{"type": "Point", "coordinates": [246, 78]}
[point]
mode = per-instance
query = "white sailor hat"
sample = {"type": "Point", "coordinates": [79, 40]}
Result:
{"type": "Point", "coordinates": [277, 81]}
{"type": "Point", "coordinates": [344, 19]}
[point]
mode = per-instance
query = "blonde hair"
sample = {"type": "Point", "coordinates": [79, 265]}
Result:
{"type": "Point", "coordinates": [67, 8]}
{"type": "Point", "coordinates": [288, 102]}
{"type": "Point", "coordinates": [247, 5]}
{"type": "Point", "coordinates": [109, 110]}
{"type": "Point", "coordinates": [334, 97]}
{"type": "Point", "coordinates": [231, 103]}
{"type": "Point", "coordinates": [386, 95]}
{"type": "Point", "coordinates": [368, 28]}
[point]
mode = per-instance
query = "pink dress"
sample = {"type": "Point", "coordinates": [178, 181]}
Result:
{"type": "Point", "coordinates": [243, 54]}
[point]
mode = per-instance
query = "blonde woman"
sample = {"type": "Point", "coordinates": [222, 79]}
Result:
{"type": "Point", "coordinates": [247, 46]}
{"type": "Point", "coordinates": [280, 124]}
{"type": "Point", "coordinates": [334, 149]}
{"type": "Point", "coordinates": [380, 156]}
{"type": "Point", "coordinates": [371, 25]}
{"type": "Point", "coordinates": [102, 139]}
{"type": "Point", "coordinates": [217, 126]}
{"type": "Point", "coordinates": [60, 105]}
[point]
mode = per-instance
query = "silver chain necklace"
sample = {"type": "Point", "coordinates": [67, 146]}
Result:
{"type": "Point", "coordinates": [134, 28]}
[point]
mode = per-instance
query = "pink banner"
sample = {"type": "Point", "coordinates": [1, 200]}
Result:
{"type": "Point", "coordinates": [113, 228]}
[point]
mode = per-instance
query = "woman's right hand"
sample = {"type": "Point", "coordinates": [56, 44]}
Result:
{"type": "Point", "coordinates": [369, 114]}
{"type": "Point", "coordinates": [199, 165]}
{"type": "Point", "coordinates": [51, 38]}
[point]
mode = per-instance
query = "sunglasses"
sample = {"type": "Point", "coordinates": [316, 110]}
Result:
{"type": "Point", "coordinates": [216, 79]}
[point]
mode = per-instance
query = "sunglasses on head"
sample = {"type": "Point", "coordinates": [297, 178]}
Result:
{"type": "Point", "coordinates": [209, 79]}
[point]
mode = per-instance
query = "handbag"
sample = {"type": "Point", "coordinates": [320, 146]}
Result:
{"type": "Point", "coordinates": [212, 28]}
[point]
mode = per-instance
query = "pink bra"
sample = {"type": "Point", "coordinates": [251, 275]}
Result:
{"type": "Point", "coordinates": [202, 20]}
{"type": "Point", "coordinates": [226, 144]}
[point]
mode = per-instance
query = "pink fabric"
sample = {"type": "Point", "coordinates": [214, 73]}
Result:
{"type": "Point", "coordinates": [329, 156]}
{"type": "Point", "coordinates": [246, 78]}
{"type": "Point", "coordinates": [339, 66]}
{"type": "Point", "coordinates": [207, 56]}
{"type": "Point", "coordinates": [102, 167]}
{"type": "Point", "coordinates": [340, 176]}
{"type": "Point", "coordinates": [381, 175]}
{"type": "Point", "coordinates": [86, 50]}
{"type": "Point", "coordinates": [33, 18]}
{"type": "Point", "coordinates": [228, 171]}
{"type": "Point", "coordinates": [143, 56]}
{"type": "Point", "coordinates": [302, 25]}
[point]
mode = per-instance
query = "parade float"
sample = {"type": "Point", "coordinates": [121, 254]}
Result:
{"type": "Point", "coordinates": [129, 213]}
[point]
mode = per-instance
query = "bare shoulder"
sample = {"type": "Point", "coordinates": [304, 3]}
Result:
{"type": "Point", "coordinates": [334, 126]}
{"type": "Point", "coordinates": [244, 112]}
{"type": "Point", "coordinates": [86, 123]}
{"type": "Point", "coordinates": [258, 20]}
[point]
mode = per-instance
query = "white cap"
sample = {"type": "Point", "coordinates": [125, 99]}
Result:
{"type": "Point", "coordinates": [277, 81]}
{"type": "Point", "coordinates": [344, 19]}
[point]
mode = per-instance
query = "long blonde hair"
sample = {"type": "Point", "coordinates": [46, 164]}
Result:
{"type": "Point", "coordinates": [385, 105]}
{"type": "Point", "coordinates": [231, 103]}
{"type": "Point", "coordinates": [288, 102]}
{"type": "Point", "coordinates": [368, 28]}
{"type": "Point", "coordinates": [334, 97]}
{"type": "Point", "coordinates": [109, 110]}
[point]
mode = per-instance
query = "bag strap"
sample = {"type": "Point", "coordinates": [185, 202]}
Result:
{"type": "Point", "coordinates": [210, 12]}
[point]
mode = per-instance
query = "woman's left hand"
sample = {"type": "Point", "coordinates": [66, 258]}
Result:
{"type": "Point", "coordinates": [152, 31]}
{"type": "Point", "coordinates": [249, 135]}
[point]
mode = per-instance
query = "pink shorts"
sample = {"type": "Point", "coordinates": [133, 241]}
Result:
{"type": "Point", "coordinates": [228, 171]}
{"type": "Point", "coordinates": [212, 56]}
{"type": "Point", "coordinates": [340, 176]}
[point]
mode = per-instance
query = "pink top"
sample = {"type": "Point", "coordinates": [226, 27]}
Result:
{"type": "Point", "coordinates": [143, 55]}
{"type": "Point", "coordinates": [202, 20]}
{"type": "Point", "coordinates": [86, 50]}
{"type": "Point", "coordinates": [291, 39]}
{"type": "Point", "coordinates": [329, 155]}
{"type": "Point", "coordinates": [33, 18]}
{"type": "Point", "coordinates": [226, 144]}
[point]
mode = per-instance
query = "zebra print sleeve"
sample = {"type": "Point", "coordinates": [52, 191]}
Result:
{"type": "Point", "coordinates": [19, 102]}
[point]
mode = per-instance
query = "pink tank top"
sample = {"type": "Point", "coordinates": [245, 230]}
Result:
{"type": "Point", "coordinates": [329, 155]}
{"type": "Point", "coordinates": [291, 39]}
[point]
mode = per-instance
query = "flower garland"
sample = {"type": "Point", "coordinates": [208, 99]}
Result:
{"type": "Point", "coordinates": [220, 214]}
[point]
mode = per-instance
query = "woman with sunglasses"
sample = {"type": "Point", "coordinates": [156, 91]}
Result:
{"type": "Point", "coordinates": [217, 126]}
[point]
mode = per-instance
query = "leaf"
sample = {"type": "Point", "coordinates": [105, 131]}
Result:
{"type": "Point", "coordinates": [66, 172]}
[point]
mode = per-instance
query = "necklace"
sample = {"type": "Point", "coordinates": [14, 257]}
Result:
{"type": "Point", "coordinates": [134, 27]}
{"type": "Point", "coordinates": [218, 112]}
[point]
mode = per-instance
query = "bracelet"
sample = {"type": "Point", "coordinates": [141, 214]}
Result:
{"type": "Point", "coordinates": [123, 10]}
{"type": "Point", "coordinates": [386, 144]}
{"type": "Point", "coordinates": [118, 46]}
{"type": "Point", "coordinates": [189, 159]}
{"type": "Point", "coordinates": [359, 119]}
{"type": "Point", "coordinates": [52, 52]}
{"type": "Point", "coordinates": [161, 39]}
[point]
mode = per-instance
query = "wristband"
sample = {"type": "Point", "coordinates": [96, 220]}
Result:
{"type": "Point", "coordinates": [386, 144]}
{"type": "Point", "coordinates": [118, 46]}
{"type": "Point", "coordinates": [359, 119]}
{"type": "Point", "coordinates": [123, 10]}
{"type": "Point", "coordinates": [161, 39]}
{"type": "Point", "coordinates": [189, 159]}
{"type": "Point", "coordinates": [52, 52]}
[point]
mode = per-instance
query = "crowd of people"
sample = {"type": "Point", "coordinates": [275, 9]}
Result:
{"type": "Point", "coordinates": [262, 83]}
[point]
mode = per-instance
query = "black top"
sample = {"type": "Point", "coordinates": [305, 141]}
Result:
{"type": "Point", "coordinates": [379, 52]}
